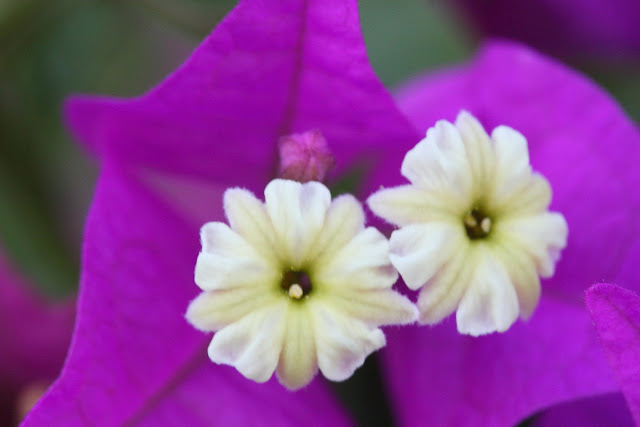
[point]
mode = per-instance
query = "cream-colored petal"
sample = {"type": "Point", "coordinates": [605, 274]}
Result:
{"type": "Point", "coordinates": [297, 212]}
{"type": "Point", "coordinates": [479, 151]}
{"type": "Point", "coordinates": [533, 198]}
{"type": "Point", "coordinates": [441, 295]}
{"type": "Point", "coordinates": [343, 343]}
{"type": "Point", "coordinates": [248, 217]}
{"type": "Point", "coordinates": [344, 219]}
{"type": "Point", "coordinates": [298, 362]}
{"type": "Point", "coordinates": [409, 204]}
{"type": "Point", "coordinates": [439, 162]}
{"type": "Point", "coordinates": [541, 236]}
{"type": "Point", "coordinates": [253, 344]}
{"type": "Point", "coordinates": [375, 307]}
{"type": "Point", "coordinates": [361, 264]}
{"type": "Point", "coordinates": [212, 311]}
{"type": "Point", "coordinates": [490, 303]}
{"type": "Point", "coordinates": [218, 238]}
{"type": "Point", "coordinates": [523, 275]}
{"type": "Point", "coordinates": [228, 261]}
{"type": "Point", "coordinates": [512, 169]}
{"type": "Point", "coordinates": [419, 251]}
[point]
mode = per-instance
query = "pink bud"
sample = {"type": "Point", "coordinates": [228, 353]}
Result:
{"type": "Point", "coordinates": [305, 156]}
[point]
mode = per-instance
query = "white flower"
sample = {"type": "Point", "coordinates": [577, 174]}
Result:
{"type": "Point", "coordinates": [475, 232]}
{"type": "Point", "coordinates": [295, 284]}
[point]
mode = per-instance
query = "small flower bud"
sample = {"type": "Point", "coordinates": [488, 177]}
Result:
{"type": "Point", "coordinates": [305, 157]}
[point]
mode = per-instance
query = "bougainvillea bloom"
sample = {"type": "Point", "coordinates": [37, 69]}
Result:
{"type": "Point", "coordinates": [168, 156]}
{"type": "Point", "coordinates": [270, 69]}
{"type": "Point", "coordinates": [295, 283]}
{"type": "Point", "coordinates": [475, 231]}
{"type": "Point", "coordinates": [616, 314]}
{"type": "Point", "coordinates": [583, 144]}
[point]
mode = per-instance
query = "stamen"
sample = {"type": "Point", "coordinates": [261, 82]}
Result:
{"type": "Point", "coordinates": [477, 224]}
{"type": "Point", "coordinates": [485, 225]}
{"type": "Point", "coordinates": [296, 283]}
{"type": "Point", "coordinates": [470, 220]}
{"type": "Point", "coordinates": [295, 291]}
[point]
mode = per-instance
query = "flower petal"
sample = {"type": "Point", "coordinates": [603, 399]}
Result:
{"type": "Point", "coordinates": [342, 342]}
{"type": "Point", "coordinates": [298, 362]}
{"type": "Point", "coordinates": [419, 251]}
{"type": "Point", "coordinates": [227, 261]}
{"type": "Point", "coordinates": [532, 198]}
{"type": "Point", "coordinates": [441, 295]}
{"type": "Point", "coordinates": [524, 276]}
{"type": "Point", "coordinates": [409, 204]}
{"type": "Point", "coordinates": [478, 148]}
{"type": "Point", "coordinates": [541, 236]}
{"type": "Point", "coordinates": [344, 219]}
{"type": "Point", "coordinates": [490, 302]}
{"type": "Point", "coordinates": [249, 218]}
{"type": "Point", "coordinates": [438, 161]}
{"type": "Point", "coordinates": [212, 311]}
{"type": "Point", "coordinates": [297, 212]}
{"type": "Point", "coordinates": [375, 307]}
{"type": "Point", "coordinates": [252, 344]}
{"type": "Point", "coordinates": [362, 264]}
{"type": "Point", "coordinates": [512, 169]}
{"type": "Point", "coordinates": [616, 314]}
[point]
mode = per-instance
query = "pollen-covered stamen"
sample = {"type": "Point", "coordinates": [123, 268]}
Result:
{"type": "Point", "coordinates": [477, 224]}
{"type": "Point", "coordinates": [296, 283]}
{"type": "Point", "coordinates": [295, 291]}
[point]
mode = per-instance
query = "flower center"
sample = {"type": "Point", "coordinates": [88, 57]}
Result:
{"type": "Point", "coordinates": [296, 283]}
{"type": "Point", "coordinates": [477, 224]}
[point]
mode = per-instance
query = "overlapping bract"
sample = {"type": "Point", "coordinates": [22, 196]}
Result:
{"type": "Point", "coordinates": [168, 156]}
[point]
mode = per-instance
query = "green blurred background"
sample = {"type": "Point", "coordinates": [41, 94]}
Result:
{"type": "Point", "coordinates": [50, 49]}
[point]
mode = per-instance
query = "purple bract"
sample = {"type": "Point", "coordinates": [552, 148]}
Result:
{"type": "Point", "coordinates": [276, 68]}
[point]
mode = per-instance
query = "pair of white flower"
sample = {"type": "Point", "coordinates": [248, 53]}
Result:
{"type": "Point", "coordinates": [298, 283]}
